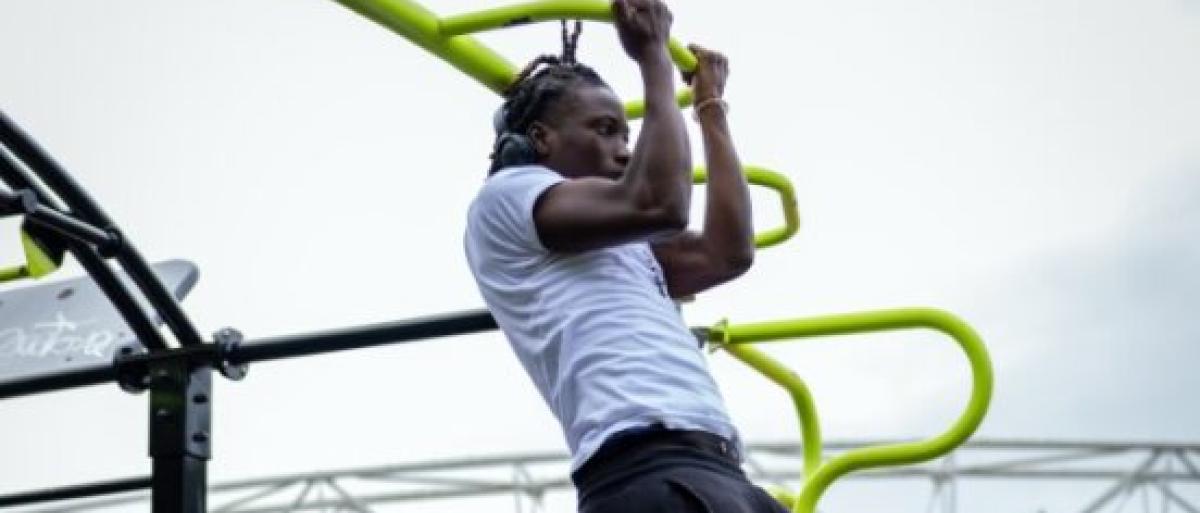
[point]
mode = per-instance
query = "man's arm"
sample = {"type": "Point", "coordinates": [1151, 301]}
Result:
{"type": "Point", "coordinates": [694, 262]}
{"type": "Point", "coordinates": [654, 194]}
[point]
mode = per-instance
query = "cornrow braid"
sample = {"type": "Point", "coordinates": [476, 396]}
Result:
{"type": "Point", "coordinates": [570, 43]}
{"type": "Point", "coordinates": [545, 80]}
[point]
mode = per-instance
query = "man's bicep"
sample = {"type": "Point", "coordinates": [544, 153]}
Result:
{"type": "Point", "coordinates": [590, 213]}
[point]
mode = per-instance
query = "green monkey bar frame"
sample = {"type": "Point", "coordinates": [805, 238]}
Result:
{"type": "Point", "coordinates": [449, 38]}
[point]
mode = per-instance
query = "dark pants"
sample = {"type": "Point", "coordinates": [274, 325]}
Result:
{"type": "Point", "coordinates": [655, 470]}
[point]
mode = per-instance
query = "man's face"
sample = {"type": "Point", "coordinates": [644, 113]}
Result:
{"type": "Point", "coordinates": [585, 134]}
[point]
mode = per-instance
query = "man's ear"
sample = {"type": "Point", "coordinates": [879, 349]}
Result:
{"type": "Point", "coordinates": [542, 137]}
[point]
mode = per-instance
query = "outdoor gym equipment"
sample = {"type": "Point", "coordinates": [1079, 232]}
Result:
{"type": "Point", "coordinates": [179, 378]}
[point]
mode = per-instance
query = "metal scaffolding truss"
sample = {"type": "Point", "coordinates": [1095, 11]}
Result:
{"type": "Point", "coordinates": [1149, 476]}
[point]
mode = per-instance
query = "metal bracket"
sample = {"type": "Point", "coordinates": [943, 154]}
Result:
{"type": "Point", "coordinates": [227, 341]}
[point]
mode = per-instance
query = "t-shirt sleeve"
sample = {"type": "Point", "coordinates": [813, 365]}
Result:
{"type": "Point", "coordinates": [504, 210]}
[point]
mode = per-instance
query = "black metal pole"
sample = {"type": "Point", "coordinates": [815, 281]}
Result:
{"type": "Point", "coordinates": [76, 491]}
{"type": "Point", "coordinates": [57, 179]}
{"type": "Point", "coordinates": [104, 276]}
{"type": "Point", "coordinates": [70, 227]}
{"type": "Point", "coordinates": [92, 262]}
{"type": "Point", "coordinates": [363, 336]}
{"type": "Point", "coordinates": [168, 308]}
{"type": "Point", "coordinates": [180, 434]}
{"type": "Point", "coordinates": [83, 206]}
{"type": "Point", "coordinates": [277, 348]}
{"type": "Point", "coordinates": [94, 375]}
{"type": "Point", "coordinates": [63, 224]}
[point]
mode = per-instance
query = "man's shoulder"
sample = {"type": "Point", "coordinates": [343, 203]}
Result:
{"type": "Point", "coordinates": [510, 187]}
{"type": "Point", "coordinates": [509, 184]}
{"type": "Point", "coordinates": [503, 208]}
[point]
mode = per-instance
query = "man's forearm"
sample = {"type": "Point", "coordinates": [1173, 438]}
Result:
{"type": "Point", "coordinates": [659, 167]}
{"type": "Point", "coordinates": [728, 224]}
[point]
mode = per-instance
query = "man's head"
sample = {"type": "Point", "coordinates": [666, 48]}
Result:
{"type": "Point", "coordinates": [564, 116]}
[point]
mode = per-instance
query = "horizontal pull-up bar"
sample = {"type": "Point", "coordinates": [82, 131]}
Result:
{"type": "Point", "coordinates": [274, 348]}
{"type": "Point", "coordinates": [364, 336]}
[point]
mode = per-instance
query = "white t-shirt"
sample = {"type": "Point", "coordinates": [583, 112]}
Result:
{"type": "Point", "coordinates": [596, 330]}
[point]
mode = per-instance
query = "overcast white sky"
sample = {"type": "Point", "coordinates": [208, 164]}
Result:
{"type": "Point", "coordinates": [1032, 165]}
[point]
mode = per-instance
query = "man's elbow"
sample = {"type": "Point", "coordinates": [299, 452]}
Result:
{"type": "Point", "coordinates": [675, 219]}
{"type": "Point", "coordinates": [738, 262]}
{"type": "Point", "coordinates": [732, 261]}
{"type": "Point", "coordinates": [668, 219]}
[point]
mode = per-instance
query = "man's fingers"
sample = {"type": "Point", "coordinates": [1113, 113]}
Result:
{"type": "Point", "coordinates": [708, 57]}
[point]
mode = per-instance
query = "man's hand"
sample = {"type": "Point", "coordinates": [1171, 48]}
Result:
{"type": "Point", "coordinates": [708, 79]}
{"type": "Point", "coordinates": [643, 27]}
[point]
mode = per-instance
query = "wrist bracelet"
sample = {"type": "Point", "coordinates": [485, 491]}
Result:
{"type": "Point", "coordinates": [708, 102]}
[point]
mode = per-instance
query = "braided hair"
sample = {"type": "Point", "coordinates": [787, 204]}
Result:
{"type": "Point", "coordinates": [543, 82]}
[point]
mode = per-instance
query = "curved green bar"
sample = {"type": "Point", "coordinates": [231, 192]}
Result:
{"type": "Point", "coordinates": [806, 411]}
{"type": "Point", "coordinates": [449, 37]}
{"type": "Point", "coordinates": [767, 178]}
{"type": "Point", "coordinates": [817, 482]}
{"type": "Point", "coordinates": [423, 28]}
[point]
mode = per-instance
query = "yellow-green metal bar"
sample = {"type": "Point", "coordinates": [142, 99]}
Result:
{"type": "Point", "coordinates": [449, 38]}
{"type": "Point", "coordinates": [423, 28]}
{"type": "Point", "coordinates": [38, 262]}
{"type": "Point", "coordinates": [548, 10]}
{"type": "Point", "coordinates": [765, 177]}
{"type": "Point", "coordinates": [816, 482]}
{"type": "Point", "coordinates": [806, 411]}
{"type": "Point", "coordinates": [527, 12]}
{"type": "Point", "coordinates": [12, 273]}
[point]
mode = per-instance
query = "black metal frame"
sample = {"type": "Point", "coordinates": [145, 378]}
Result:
{"type": "Point", "coordinates": [179, 378]}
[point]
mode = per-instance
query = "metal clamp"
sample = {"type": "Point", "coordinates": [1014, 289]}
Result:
{"type": "Point", "coordinates": [227, 341]}
{"type": "Point", "coordinates": [133, 375]}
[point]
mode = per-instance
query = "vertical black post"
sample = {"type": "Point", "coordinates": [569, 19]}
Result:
{"type": "Point", "coordinates": [180, 434]}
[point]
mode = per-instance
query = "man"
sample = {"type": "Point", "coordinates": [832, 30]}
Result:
{"type": "Point", "coordinates": [579, 246]}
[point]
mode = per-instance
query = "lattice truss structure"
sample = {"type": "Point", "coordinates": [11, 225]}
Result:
{"type": "Point", "coordinates": [982, 475]}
